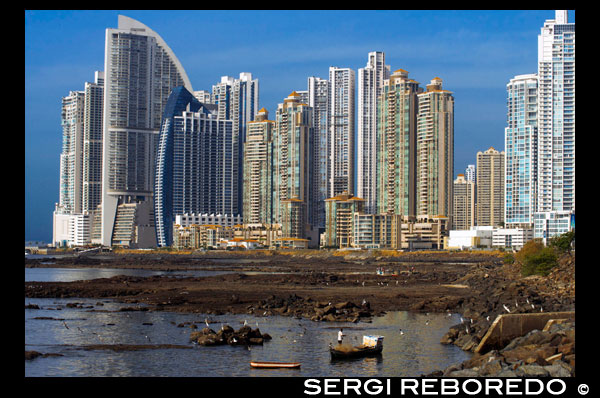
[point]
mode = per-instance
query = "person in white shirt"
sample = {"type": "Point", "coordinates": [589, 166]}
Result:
{"type": "Point", "coordinates": [340, 335]}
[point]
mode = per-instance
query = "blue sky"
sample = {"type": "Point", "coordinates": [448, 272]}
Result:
{"type": "Point", "coordinates": [475, 53]}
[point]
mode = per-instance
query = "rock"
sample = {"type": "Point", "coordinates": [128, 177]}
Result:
{"type": "Point", "coordinates": [532, 371]}
{"type": "Point", "coordinates": [558, 370]}
{"type": "Point", "coordinates": [491, 368]}
{"type": "Point", "coordinates": [207, 330]}
{"type": "Point", "coordinates": [470, 344]}
{"type": "Point", "coordinates": [507, 373]}
{"type": "Point", "coordinates": [463, 373]}
{"type": "Point", "coordinates": [567, 349]}
{"type": "Point", "coordinates": [208, 340]}
{"type": "Point", "coordinates": [452, 368]}
{"type": "Point", "coordinates": [32, 355]}
{"type": "Point", "coordinates": [344, 305]}
{"type": "Point", "coordinates": [329, 318]}
{"type": "Point", "coordinates": [195, 335]}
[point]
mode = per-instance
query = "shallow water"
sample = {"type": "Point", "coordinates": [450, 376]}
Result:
{"type": "Point", "coordinates": [417, 351]}
{"type": "Point", "coordinates": [79, 274]}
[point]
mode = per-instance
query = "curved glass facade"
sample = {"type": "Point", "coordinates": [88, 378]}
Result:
{"type": "Point", "coordinates": [179, 101]}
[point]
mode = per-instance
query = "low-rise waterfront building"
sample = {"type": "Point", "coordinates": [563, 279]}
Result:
{"type": "Point", "coordinates": [511, 238]}
{"type": "Point", "coordinates": [552, 223]}
{"type": "Point", "coordinates": [475, 237]}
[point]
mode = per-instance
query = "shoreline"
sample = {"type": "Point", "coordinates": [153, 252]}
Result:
{"type": "Point", "coordinates": [325, 287]}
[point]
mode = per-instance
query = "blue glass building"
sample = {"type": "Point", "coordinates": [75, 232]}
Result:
{"type": "Point", "coordinates": [179, 100]}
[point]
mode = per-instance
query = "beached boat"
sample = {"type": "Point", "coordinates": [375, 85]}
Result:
{"type": "Point", "coordinates": [274, 365]}
{"type": "Point", "coordinates": [371, 346]}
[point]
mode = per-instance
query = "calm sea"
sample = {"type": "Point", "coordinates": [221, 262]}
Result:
{"type": "Point", "coordinates": [97, 321]}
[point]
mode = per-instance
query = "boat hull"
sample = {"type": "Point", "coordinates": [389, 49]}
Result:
{"type": "Point", "coordinates": [274, 365]}
{"type": "Point", "coordinates": [356, 352]}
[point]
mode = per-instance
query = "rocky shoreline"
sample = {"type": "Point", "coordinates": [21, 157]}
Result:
{"type": "Point", "coordinates": [328, 288]}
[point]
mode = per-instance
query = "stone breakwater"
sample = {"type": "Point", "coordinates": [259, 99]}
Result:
{"type": "Point", "coordinates": [539, 353]}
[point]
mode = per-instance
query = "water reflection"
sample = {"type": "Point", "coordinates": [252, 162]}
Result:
{"type": "Point", "coordinates": [80, 274]}
{"type": "Point", "coordinates": [413, 353]}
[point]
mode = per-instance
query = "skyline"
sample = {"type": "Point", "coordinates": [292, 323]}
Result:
{"type": "Point", "coordinates": [63, 49]}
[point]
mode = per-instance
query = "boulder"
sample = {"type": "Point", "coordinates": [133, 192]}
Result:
{"type": "Point", "coordinates": [208, 340]}
{"type": "Point", "coordinates": [532, 371]}
{"type": "Point", "coordinates": [558, 370]}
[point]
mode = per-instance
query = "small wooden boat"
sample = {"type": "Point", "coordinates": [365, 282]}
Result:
{"type": "Point", "coordinates": [274, 365]}
{"type": "Point", "coordinates": [371, 346]}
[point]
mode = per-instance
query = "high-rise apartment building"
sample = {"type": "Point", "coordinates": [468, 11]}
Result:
{"type": "Point", "coordinates": [140, 72]}
{"type": "Point", "coordinates": [92, 143]}
{"type": "Point", "coordinates": [370, 86]}
{"type": "Point", "coordinates": [396, 145]}
{"type": "Point", "coordinates": [520, 143]}
{"type": "Point", "coordinates": [71, 157]}
{"type": "Point", "coordinates": [464, 204]}
{"type": "Point", "coordinates": [259, 170]}
{"type": "Point", "coordinates": [490, 187]}
{"type": "Point", "coordinates": [319, 101]}
{"type": "Point", "coordinates": [435, 151]}
{"type": "Point", "coordinates": [195, 163]}
{"type": "Point", "coordinates": [237, 100]}
{"type": "Point", "coordinates": [341, 124]}
{"type": "Point", "coordinates": [292, 136]}
{"type": "Point", "coordinates": [166, 179]}
{"type": "Point", "coordinates": [556, 115]}
{"type": "Point", "coordinates": [80, 162]}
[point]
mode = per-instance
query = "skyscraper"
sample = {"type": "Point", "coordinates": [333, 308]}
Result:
{"type": "Point", "coordinates": [396, 145]}
{"type": "Point", "coordinates": [370, 85]}
{"type": "Point", "coordinates": [520, 143]}
{"type": "Point", "coordinates": [92, 143]}
{"type": "Point", "coordinates": [71, 157]}
{"type": "Point", "coordinates": [80, 164]}
{"type": "Point", "coordinates": [179, 100]}
{"type": "Point", "coordinates": [341, 125]}
{"type": "Point", "coordinates": [140, 72]}
{"type": "Point", "coordinates": [556, 115]}
{"type": "Point", "coordinates": [259, 170]}
{"type": "Point", "coordinates": [194, 169]}
{"type": "Point", "coordinates": [319, 101]}
{"type": "Point", "coordinates": [490, 187]}
{"type": "Point", "coordinates": [237, 100]}
{"type": "Point", "coordinates": [435, 151]}
{"type": "Point", "coordinates": [293, 130]}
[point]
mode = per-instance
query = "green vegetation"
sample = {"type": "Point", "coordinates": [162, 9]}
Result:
{"type": "Point", "coordinates": [509, 258]}
{"type": "Point", "coordinates": [536, 259]}
{"type": "Point", "coordinates": [563, 243]}
{"type": "Point", "coordinates": [539, 263]}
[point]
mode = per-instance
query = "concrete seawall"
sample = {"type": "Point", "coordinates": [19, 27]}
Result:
{"type": "Point", "coordinates": [507, 327]}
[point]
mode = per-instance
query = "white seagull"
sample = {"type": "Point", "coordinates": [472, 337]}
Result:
{"type": "Point", "coordinates": [506, 308]}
